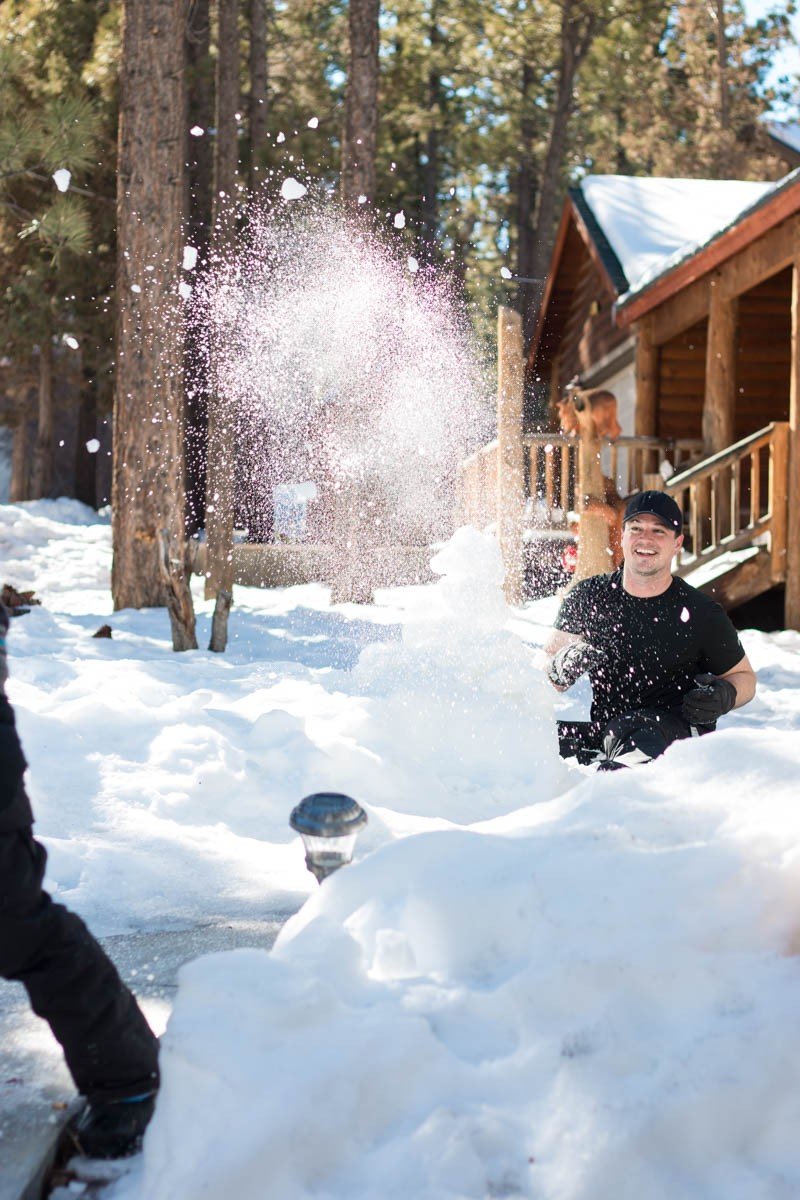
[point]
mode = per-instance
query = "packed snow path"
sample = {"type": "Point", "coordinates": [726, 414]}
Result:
{"type": "Point", "coordinates": [535, 982]}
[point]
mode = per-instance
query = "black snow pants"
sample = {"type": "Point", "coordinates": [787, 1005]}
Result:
{"type": "Point", "coordinates": [592, 741]}
{"type": "Point", "coordinates": [110, 1050]}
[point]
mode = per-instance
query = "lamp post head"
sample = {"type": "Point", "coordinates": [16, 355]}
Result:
{"type": "Point", "coordinates": [328, 823]}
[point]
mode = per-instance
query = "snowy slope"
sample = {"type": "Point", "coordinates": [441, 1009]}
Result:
{"type": "Point", "coordinates": [534, 982]}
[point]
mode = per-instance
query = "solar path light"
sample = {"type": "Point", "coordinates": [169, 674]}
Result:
{"type": "Point", "coordinates": [328, 823]}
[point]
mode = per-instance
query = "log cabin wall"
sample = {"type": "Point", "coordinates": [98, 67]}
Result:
{"type": "Point", "coordinates": [763, 354]}
{"type": "Point", "coordinates": [682, 381]}
{"type": "Point", "coordinates": [590, 332]}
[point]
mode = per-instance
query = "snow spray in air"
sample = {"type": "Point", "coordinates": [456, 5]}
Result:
{"type": "Point", "coordinates": [345, 365]}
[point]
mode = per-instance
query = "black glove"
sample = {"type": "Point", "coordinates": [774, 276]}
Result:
{"type": "Point", "coordinates": [709, 701]}
{"type": "Point", "coordinates": [573, 660]}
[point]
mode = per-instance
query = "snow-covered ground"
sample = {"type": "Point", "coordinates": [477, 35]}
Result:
{"type": "Point", "coordinates": [533, 982]}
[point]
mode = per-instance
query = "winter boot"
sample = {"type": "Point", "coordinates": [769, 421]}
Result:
{"type": "Point", "coordinates": [112, 1128]}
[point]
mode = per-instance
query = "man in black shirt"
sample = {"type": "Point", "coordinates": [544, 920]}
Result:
{"type": "Point", "coordinates": [664, 660]}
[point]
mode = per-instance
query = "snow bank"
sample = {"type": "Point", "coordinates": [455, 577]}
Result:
{"type": "Point", "coordinates": [589, 998]}
{"type": "Point", "coordinates": [533, 982]}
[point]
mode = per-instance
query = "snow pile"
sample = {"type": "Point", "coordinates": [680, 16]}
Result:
{"type": "Point", "coordinates": [533, 982]}
{"type": "Point", "coordinates": [590, 998]}
{"type": "Point", "coordinates": [653, 223]}
{"type": "Point", "coordinates": [459, 705]}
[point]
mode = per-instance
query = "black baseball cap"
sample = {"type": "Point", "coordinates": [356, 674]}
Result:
{"type": "Point", "coordinates": [658, 505]}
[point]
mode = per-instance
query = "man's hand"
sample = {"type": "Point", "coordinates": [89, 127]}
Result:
{"type": "Point", "coordinates": [571, 661]}
{"type": "Point", "coordinates": [710, 700]}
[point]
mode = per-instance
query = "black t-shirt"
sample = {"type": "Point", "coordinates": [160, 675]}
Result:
{"type": "Point", "coordinates": [654, 646]}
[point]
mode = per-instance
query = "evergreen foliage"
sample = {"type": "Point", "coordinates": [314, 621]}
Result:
{"type": "Point", "coordinates": [488, 109]}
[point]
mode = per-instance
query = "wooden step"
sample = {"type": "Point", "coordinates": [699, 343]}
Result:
{"type": "Point", "coordinates": [733, 578]}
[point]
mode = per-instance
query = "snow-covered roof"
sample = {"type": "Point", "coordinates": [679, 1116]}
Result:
{"type": "Point", "coordinates": [787, 132]}
{"type": "Point", "coordinates": [651, 224]}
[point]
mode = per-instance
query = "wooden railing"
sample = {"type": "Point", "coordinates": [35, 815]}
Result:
{"type": "Point", "coordinates": [554, 468]}
{"type": "Point", "coordinates": [736, 498]}
{"type": "Point", "coordinates": [554, 471]}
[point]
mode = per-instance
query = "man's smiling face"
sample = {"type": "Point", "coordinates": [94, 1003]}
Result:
{"type": "Point", "coordinates": [648, 546]}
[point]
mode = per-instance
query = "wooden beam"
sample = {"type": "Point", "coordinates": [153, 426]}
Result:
{"type": "Point", "coordinates": [792, 606]}
{"type": "Point", "coordinates": [647, 361]}
{"type": "Point", "coordinates": [680, 312]}
{"type": "Point", "coordinates": [756, 262]}
{"type": "Point", "coordinates": [720, 394]}
{"type": "Point", "coordinates": [511, 451]}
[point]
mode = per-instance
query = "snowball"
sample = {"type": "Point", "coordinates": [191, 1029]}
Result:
{"type": "Point", "coordinates": [93, 445]}
{"type": "Point", "coordinates": [189, 258]}
{"type": "Point", "coordinates": [135, 288]}
{"type": "Point", "coordinates": [62, 179]}
{"type": "Point", "coordinates": [70, 341]}
{"type": "Point", "coordinates": [413, 265]}
{"type": "Point", "coordinates": [362, 199]}
{"type": "Point", "coordinates": [292, 189]}
{"type": "Point", "coordinates": [313, 122]}
{"type": "Point", "coordinates": [504, 271]}
{"type": "Point", "coordinates": [280, 138]}
{"type": "Point", "coordinates": [400, 220]}
{"type": "Point", "coordinates": [184, 290]}
{"type": "Point", "coordinates": [197, 131]}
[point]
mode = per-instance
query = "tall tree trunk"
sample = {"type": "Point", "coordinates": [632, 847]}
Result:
{"type": "Point", "coordinates": [198, 207]}
{"type": "Point", "coordinates": [431, 174]}
{"type": "Point", "coordinates": [258, 90]}
{"type": "Point", "coordinates": [724, 164]}
{"type": "Point", "coordinates": [86, 460]}
{"type": "Point", "coordinates": [526, 198]}
{"type": "Point", "coordinates": [200, 99]}
{"type": "Point", "coordinates": [226, 146]}
{"type": "Point", "coordinates": [148, 482]}
{"type": "Point", "coordinates": [578, 28]}
{"type": "Point", "coordinates": [219, 463]}
{"type": "Point", "coordinates": [43, 465]}
{"type": "Point", "coordinates": [359, 143]}
{"type": "Point", "coordinates": [18, 489]}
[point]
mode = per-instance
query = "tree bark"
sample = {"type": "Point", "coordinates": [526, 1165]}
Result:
{"type": "Point", "coordinates": [178, 592]}
{"type": "Point", "coordinates": [43, 465]}
{"type": "Point", "coordinates": [198, 207]}
{"type": "Point", "coordinates": [526, 199]}
{"type": "Point", "coordinates": [432, 167]}
{"type": "Point", "coordinates": [258, 90]}
{"type": "Point", "coordinates": [148, 480]}
{"type": "Point", "coordinates": [359, 143]}
{"type": "Point", "coordinates": [85, 460]}
{"type": "Point", "coordinates": [18, 489]}
{"type": "Point", "coordinates": [219, 463]}
{"type": "Point", "coordinates": [578, 29]}
{"type": "Point", "coordinates": [226, 146]}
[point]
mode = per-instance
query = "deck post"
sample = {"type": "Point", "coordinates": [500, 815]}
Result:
{"type": "Point", "coordinates": [719, 402]}
{"type": "Point", "coordinates": [791, 616]}
{"type": "Point", "coordinates": [510, 450]}
{"type": "Point", "coordinates": [647, 389]}
{"type": "Point", "coordinates": [593, 541]}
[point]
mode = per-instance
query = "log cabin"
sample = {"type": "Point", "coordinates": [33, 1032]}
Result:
{"type": "Point", "coordinates": [683, 298]}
